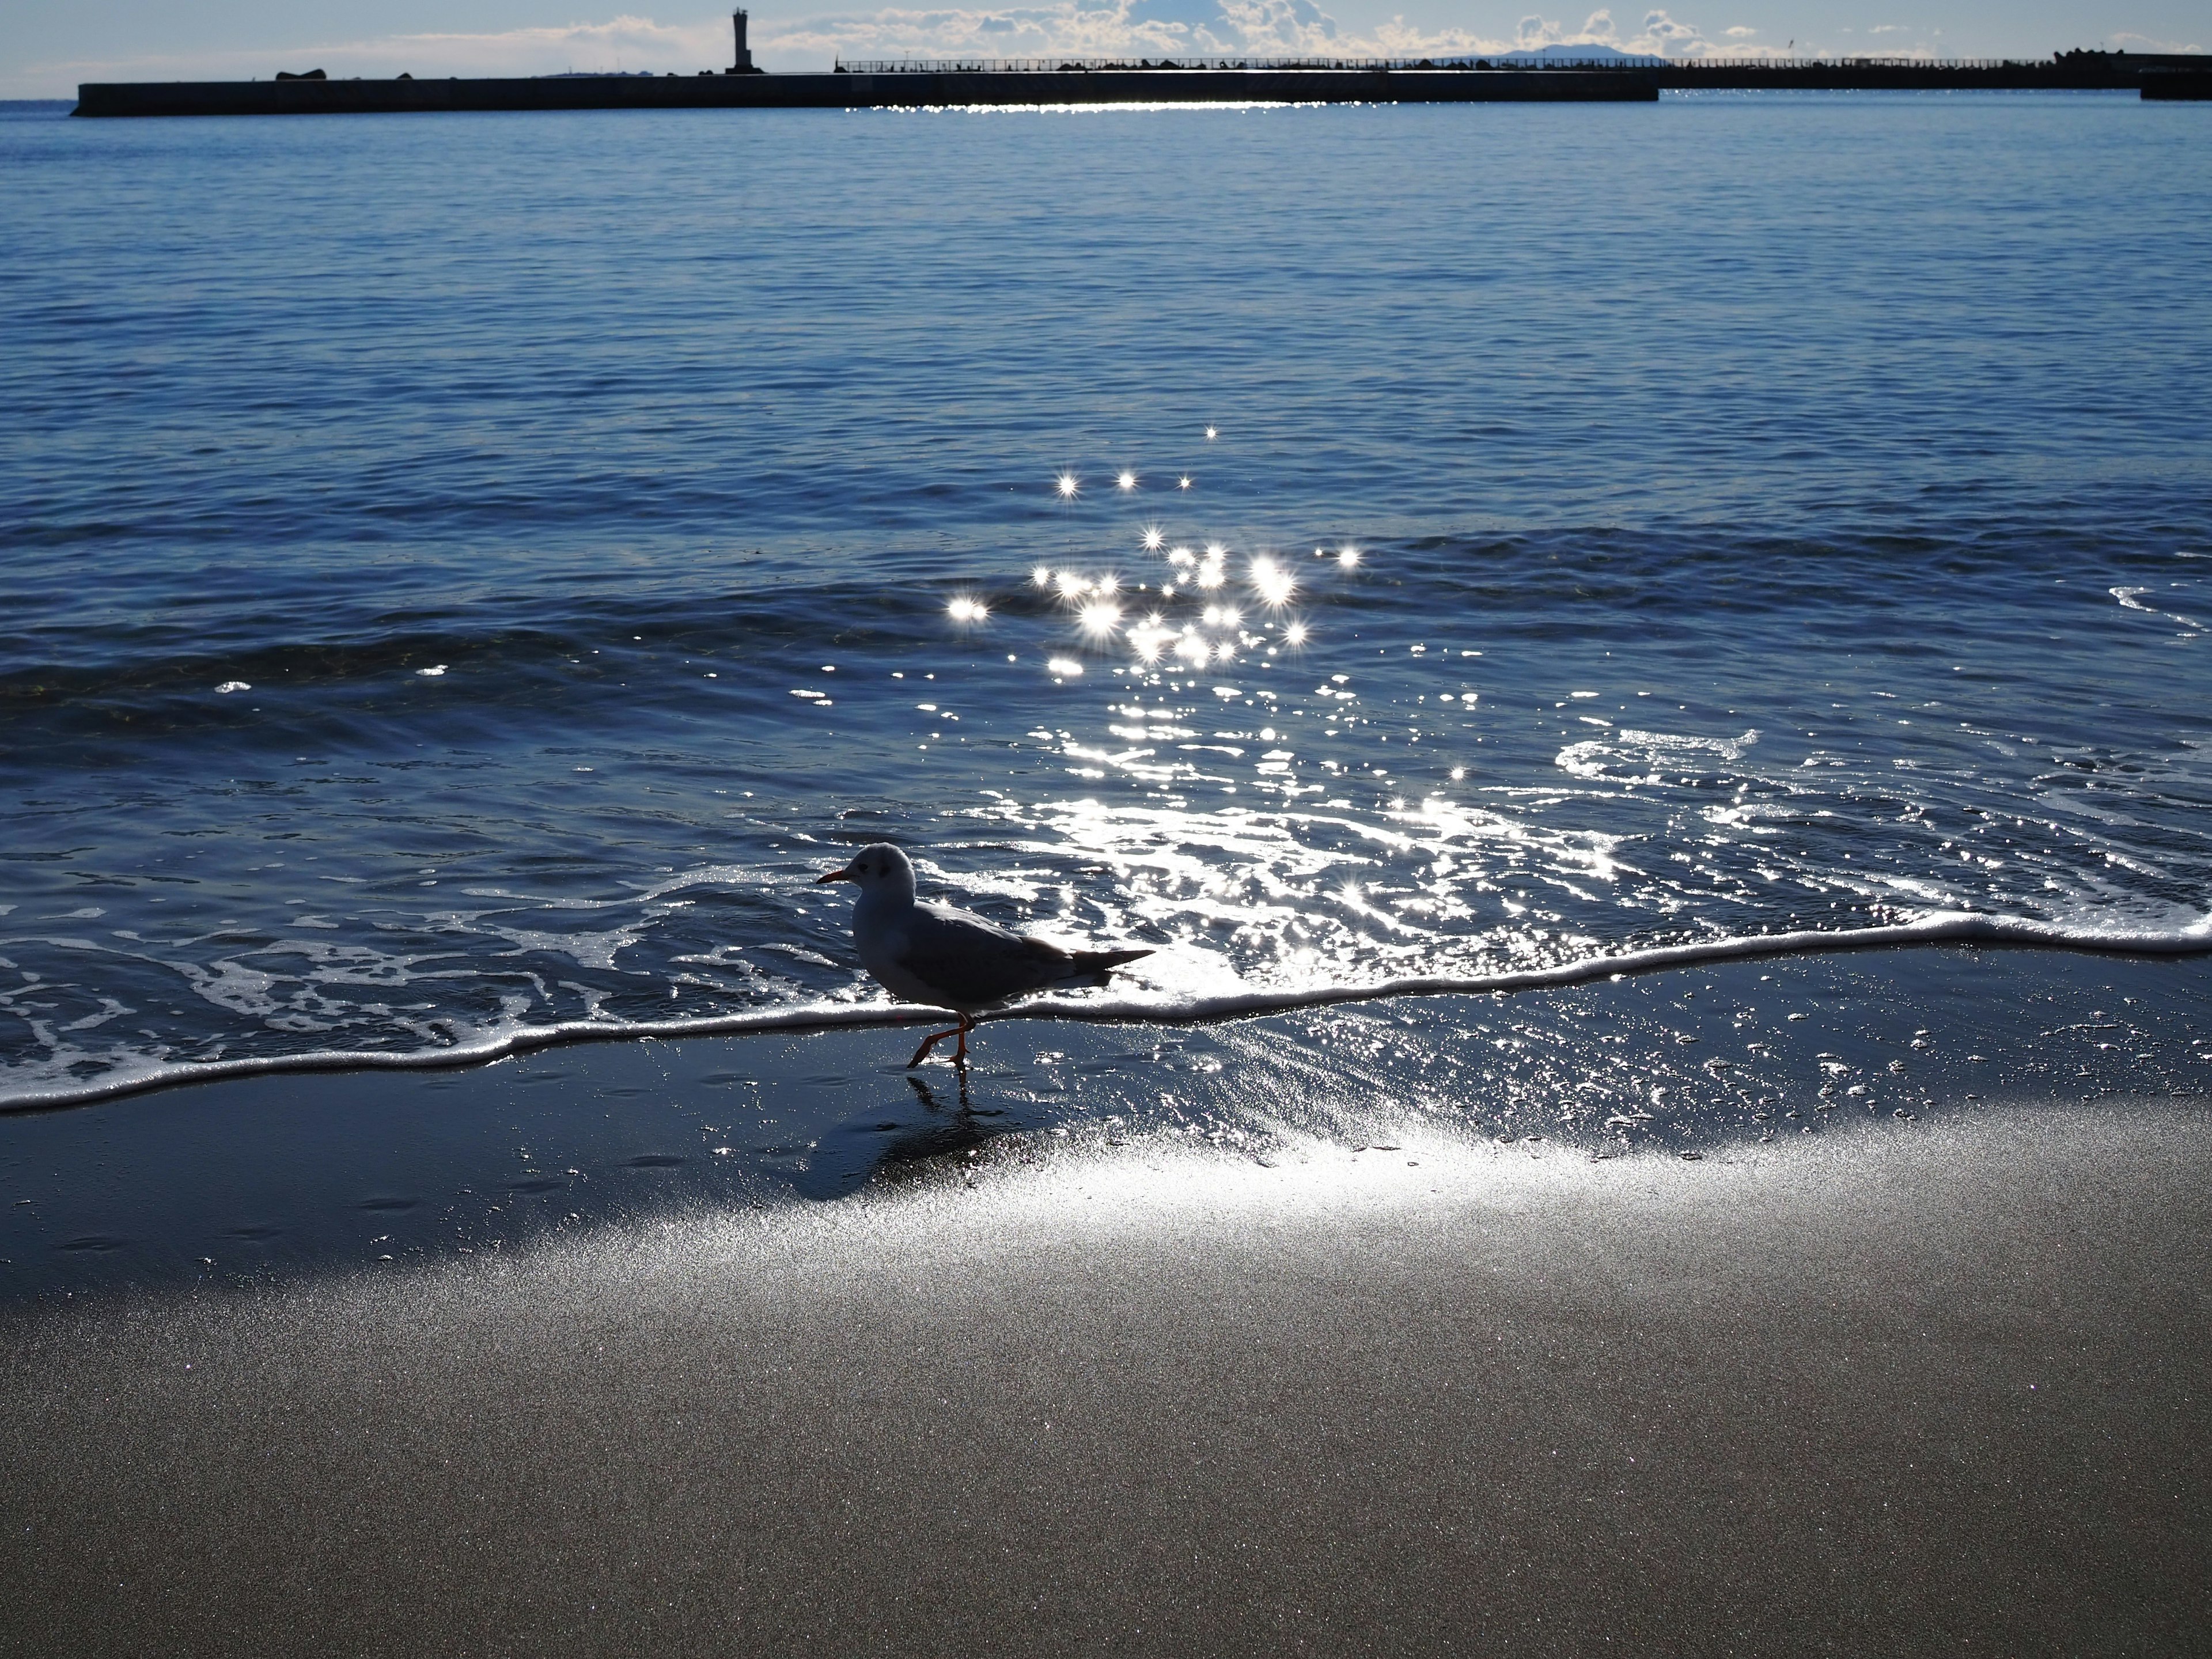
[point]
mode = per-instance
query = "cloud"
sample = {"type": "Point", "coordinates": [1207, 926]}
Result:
{"type": "Point", "coordinates": [1057, 28]}
{"type": "Point", "coordinates": [1175, 28]}
{"type": "Point", "coordinates": [1139, 28]}
{"type": "Point", "coordinates": [1658, 34]}
{"type": "Point", "coordinates": [1040, 29]}
{"type": "Point", "coordinates": [1662, 34]}
{"type": "Point", "coordinates": [624, 42]}
{"type": "Point", "coordinates": [2144, 43]}
{"type": "Point", "coordinates": [1148, 28]}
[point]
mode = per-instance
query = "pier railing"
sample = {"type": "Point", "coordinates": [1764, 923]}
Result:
{"type": "Point", "coordinates": [1465, 61]}
{"type": "Point", "coordinates": [1071, 65]}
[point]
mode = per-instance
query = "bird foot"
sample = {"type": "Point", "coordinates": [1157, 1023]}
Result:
{"type": "Point", "coordinates": [932, 1040]}
{"type": "Point", "coordinates": [959, 1054]}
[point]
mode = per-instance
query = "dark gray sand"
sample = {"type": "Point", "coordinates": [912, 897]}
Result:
{"type": "Point", "coordinates": [1935, 1389]}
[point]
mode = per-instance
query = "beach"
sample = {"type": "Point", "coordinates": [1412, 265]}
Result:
{"type": "Point", "coordinates": [1940, 1392]}
{"type": "Point", "coordinates": [1630, 680]}
{"type": "Point", "coordinates": [1399, 1377]}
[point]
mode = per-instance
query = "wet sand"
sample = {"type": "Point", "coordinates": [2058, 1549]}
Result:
{"type": "Point", "coordinates": [280, 1178]}
{"type": "Point", "coordinates": [1932, 1389]}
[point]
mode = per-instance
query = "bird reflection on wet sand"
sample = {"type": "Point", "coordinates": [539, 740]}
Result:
{"type": "Point", "coordinates": [890, 1140]}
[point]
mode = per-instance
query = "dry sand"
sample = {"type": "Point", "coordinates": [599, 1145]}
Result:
{"type": "Point", "coordinates": [1938, 1386]}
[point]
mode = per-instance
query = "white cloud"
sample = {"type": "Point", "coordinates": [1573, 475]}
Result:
{"type": "Point", "coordinates": [1661, 34]}
{"type": "Point", "coordinates": [1027, 28]}
{"type": "Point", "coordinates": [1038, 28]}
{"type": "Point", "coordinates": [1139, 28]}
{"type": "Point", "coordinates": [1150, 28]}
{"type": "Point", "coordinates": [1398, 39]}
{"type": "Point", "coordinates": [1058, 27]}
{"type": "Point", "coordinates": [624, 42]}
{"type": "Point", "coordinates": [1658, 33]}
{"type": "Point", "coordinates": [2144, 43]}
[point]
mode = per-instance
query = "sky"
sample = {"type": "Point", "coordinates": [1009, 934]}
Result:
{"type": "Point", "coordinates": [48, 47]}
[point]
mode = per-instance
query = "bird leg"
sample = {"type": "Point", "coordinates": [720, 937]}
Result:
{"type": "Point", "coordinates": [960, 1056]}
{"type": "Point", "coordinates": [928, 1043]}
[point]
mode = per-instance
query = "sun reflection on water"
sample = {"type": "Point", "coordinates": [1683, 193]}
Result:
{"type": "Point", "coordinates": [1285, 877]}
{"type": "Point", "coordinates": [1267, 824]}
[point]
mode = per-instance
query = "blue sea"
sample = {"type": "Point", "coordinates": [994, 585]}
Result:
{"type": "Point", "coordinates": [465, 576]}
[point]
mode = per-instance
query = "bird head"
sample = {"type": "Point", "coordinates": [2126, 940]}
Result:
{"type": "Point", "coordinates": [880, 869]}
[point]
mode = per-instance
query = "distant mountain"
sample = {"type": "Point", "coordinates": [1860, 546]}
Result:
{"type": "Point", "coordinates": [1573, 54]}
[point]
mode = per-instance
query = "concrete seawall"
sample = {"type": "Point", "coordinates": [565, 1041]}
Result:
{"type": "Point", "coordinates": [2193, 85]}
{"type": "Point", "coordinates": [304, 97]}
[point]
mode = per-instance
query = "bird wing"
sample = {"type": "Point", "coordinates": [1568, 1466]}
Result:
{"type": "Point", "coordinates": [970, 963]}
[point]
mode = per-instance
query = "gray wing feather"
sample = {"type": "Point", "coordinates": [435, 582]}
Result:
{"type": "Point", "coordinates": [973, 962]}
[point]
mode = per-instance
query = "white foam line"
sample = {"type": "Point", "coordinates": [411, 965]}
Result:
{"type": "Point", "coordinates": [519, 1040]}
{"type": "Point", "coordinates": [1948, 928]}
{"type": "Point", "coordinates": [1951, 928]}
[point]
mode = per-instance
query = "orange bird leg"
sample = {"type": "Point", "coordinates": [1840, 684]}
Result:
{"type": "Point", "coordinates": [960, 1054]}
{"type": "Point", "coordinates": [932, 1040]}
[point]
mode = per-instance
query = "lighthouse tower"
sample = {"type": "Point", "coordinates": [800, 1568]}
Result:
{"type": "Point", "coordinates": [743, 63]}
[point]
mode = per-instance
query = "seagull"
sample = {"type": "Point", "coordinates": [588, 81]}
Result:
{"type": "Point", "coordinates": [934, 954]}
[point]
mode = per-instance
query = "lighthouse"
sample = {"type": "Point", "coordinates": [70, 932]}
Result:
{"type": "Point", "coordinates": [743, 63]}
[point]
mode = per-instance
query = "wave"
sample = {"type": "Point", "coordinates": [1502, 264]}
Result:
{"type": "Point", "coordinates": [1950, 928]}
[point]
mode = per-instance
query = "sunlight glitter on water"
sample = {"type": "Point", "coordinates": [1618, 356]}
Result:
{"type": "Point", "coordinates": [1344, 840]}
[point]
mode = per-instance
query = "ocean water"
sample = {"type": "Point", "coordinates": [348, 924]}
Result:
{"type": "Point", "coordinates": [465, 576]}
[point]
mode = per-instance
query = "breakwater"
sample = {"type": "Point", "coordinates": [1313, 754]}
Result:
{"type": "Point", "coordinates": [2157, 74]}
{"type": "Point", "coordinates": [2071, 71]}
{"type": "Point", "coordinates": [2194, 85]}
{"type": "Point", "coordinates": [844, 90]}
{"type": "Point", "coordinates": [916, 83]}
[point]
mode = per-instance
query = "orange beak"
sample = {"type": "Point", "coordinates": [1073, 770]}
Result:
{"type": "Point", "coordinates": [835, 875]}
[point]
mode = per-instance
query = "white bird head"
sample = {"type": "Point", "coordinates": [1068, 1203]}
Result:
{"type": "Point", "coordinates": [880, 871]}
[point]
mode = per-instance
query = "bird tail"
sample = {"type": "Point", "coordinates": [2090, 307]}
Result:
{"type": "Point", "coordinates": [1102, 962]}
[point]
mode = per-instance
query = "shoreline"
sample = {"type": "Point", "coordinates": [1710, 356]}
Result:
{"type": "Point", "coordinates": [1899, 1392]}
{"type": "Point", "coordinates": [2179, 944]}
{"type": "Point", "coordinates": [276, 1177]}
